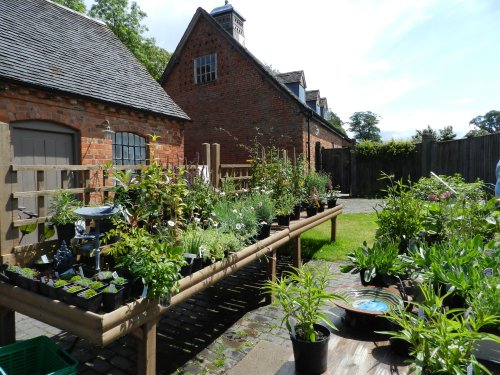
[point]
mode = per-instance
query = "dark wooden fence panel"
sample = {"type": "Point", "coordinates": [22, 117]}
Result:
{"type": "Point", "coordinates": [472, 158]}
{"type": "Point", "coordinates": [337, 162]}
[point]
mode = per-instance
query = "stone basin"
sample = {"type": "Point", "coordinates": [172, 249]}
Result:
{"type": "Point", "coordinates": [97, 212]}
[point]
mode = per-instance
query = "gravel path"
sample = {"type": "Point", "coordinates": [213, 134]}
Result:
{"type": "Point", "coordinates": [358, 205]}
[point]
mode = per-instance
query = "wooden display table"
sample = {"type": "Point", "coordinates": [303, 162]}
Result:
{"type": "Point", "coordinates": [140, 317]}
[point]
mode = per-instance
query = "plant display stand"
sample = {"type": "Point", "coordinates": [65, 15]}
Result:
{"type": "Point", "coordinates": [140, 317]}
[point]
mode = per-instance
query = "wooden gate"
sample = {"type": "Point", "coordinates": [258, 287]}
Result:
{"type": "Point", "coordinates": [337, 163]}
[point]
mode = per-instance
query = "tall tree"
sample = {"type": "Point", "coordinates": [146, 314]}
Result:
{"type": "Point", "coordinates": [476, 133]}
{"type": "Point", "coordinates": [336, 122]}
{"type": "Point", "coordinates": [446, 134]}
{"type": "Point", "coordinates": [489, 122]}
{"type": "Point", "coordinates": [417, 138]}
{"type": "Point", "coordinates": [125, 22]}
{"type": "Point", "coordinates": [77, 5]}
{"type": "Point", "coordinates": [364, 126]}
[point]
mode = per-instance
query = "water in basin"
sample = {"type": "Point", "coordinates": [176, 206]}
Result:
{"type": "Point", "coordinates": [370, 304]}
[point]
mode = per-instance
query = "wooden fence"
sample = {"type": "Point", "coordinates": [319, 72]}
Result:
{"type": "Point", "coordinates": [472, 158]}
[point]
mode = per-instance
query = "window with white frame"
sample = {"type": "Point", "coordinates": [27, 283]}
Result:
{"type": "Point", "coordinates": [128, 149]}
{"type": "Point", "coordinates": [205, 68]}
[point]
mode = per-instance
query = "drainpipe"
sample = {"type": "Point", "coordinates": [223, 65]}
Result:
{"type": "Point", "coordinates": [309, 116]}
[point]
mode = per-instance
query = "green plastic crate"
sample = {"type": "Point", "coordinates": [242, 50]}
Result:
{"type": "Point", "coordinates": [38, 356]}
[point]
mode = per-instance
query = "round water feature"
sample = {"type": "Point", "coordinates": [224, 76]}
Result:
{"type": "Point", "coordinates": [370, 305]}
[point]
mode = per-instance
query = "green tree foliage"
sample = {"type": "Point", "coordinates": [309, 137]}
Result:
{"type": "Point", "coordinates": [446, 134]}
{"type": "Point", "coordinates": [336, 122]}
{"type": "Point", "coordinates": [417, 138]}
{"type": "Point", "coordinates": [76, 5]}
{"type": "Point", "coordinates": [490, 122]}
{"type": "Point", "coordinates": [476, 133]}
{"type": "Point", "coordinates": [364, 126]}
{"type": "Point", "coordinates": [125, 22]}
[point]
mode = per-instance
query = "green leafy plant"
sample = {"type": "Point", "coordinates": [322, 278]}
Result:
{"type": "Point", "coordinates": [119, 281]}
{"type": "Point", "coordinates": [441, 341]}
{"type": "Point", "coordinates": [264, 207]}
{"type": "Point", "coordinates": [62, 206]}
{"type": "Point", "coordinates": [302, 293]}
{"type": "Point", "coordinates": [150, 257]}
{"type": "Point", "coordinates": [96, 285]}
{"type": "Point", "coordinates": [89, 293]}
{"type": "Point", "coordinates": [74, 289]}
{"type": "Point", "coordinates": [382, 259]}
{"type": "Point", "coordinates": [285, 204]}
{"type": "Point", "coordinates": [60, 283]}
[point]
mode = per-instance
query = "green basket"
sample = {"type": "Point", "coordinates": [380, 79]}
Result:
{"type": "Point", "coordinates": [38, 356]}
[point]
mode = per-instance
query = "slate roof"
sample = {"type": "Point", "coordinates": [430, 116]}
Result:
{"type": "Point", "coordinates": [312, 95]}
{"type": "Point", "coordinates": [290, 77]}
{"type": "Point", "coordinates": [226, 8]}
{"type": "Point", "coordinates": [46, 45]}
{"type": "Point", "coordinates": [174, 60]}
{"type": "Point", "coordinates": [323, 102]}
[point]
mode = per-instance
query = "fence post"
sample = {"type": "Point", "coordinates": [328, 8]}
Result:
{"type": "Point", "coordinates": [215, 164]}
{"type": "Point", "coordinates": [205, 159]}
{"type": "Point", "coordinates": [7, 231]}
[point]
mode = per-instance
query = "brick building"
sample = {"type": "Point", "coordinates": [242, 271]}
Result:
{"type": "Point", "coordinates": [66, 81]}
{"type": "Point", "coordinates": [228, 93]}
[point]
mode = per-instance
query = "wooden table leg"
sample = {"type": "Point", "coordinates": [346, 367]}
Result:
{"type": "Point", "coordinates": [271, 274]}
{"type": "Point", "coordinates": [334, 229]}
{"type": "Point", "coordinates": [297, 256]}
{"type": "Point", "coordinates": [146, 361]}
{"type": "Point", "coordinates": [7, 326]}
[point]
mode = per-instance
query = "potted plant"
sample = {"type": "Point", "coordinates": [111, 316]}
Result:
{"type": "Point", "coordinates": [331, 195]}
{"type": "Point", "coordinates": [441, 340]}
{"type": "Point", "coordinates": [55, 289]}
{"type": "Point", "coordinates": [89, 300]}
{"type": "Point", "coordinates": [122, 283]}
{"type": "Point", "coordinates": [265, 209]}
{"type": "Point", "coordinates": [12, 272]}
{"type": "Point", "coordinates": [112, 297]}
{"type": "Point", "coordinates": [284, 207]}
{"type": "Point", "coordinates": [303, 296]}
{"type": "Point", "coordinates": [69, 292]}
{"type": "Point", "coordinates": [379, 264]}
{"type": "Point", "coordinates": [63, 206]}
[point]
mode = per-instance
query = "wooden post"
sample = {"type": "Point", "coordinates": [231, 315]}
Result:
{"type": "Point", "coordinates": [146, 351]}
{"type": "Point", "coordinates": [8, 234]}
{"type": "Point", "coordinates": [41, 202]}
{"type": "Point", "coordinates": [271, 274]}
{"type": "Point", "coordinates": [285, 155]}
{"type": "Point", "coordinates": [215, 164]}
{"type": "Point", "coordinates": [205, 160]}
{"type": "Point", "coordinates": [297, 256]}
{"type": "Point", "coordinates": [7, 326]}
{"type": "Point", "coordinates": [333, 236]}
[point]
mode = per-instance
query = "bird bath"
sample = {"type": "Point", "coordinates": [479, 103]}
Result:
{"type": "Point", "coordinates": [369, 300]}
{"type": "Point", "coordinates": [97, 214]}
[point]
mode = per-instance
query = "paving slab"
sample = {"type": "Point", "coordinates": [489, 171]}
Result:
{"type": "Point", "coordinates": [265, 358]}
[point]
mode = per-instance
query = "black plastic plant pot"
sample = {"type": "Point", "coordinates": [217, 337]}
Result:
{"type": "Point", "coordinates": [65, 232]}
{"type": "Point", "coordinates": [311, 210]}
{"type": "Point", "coordinates": [24, 282]}
{"type": "Point", "coordinates": [321, 208]}
{"type": "Point", "coordinates": [33, 285]}
{"type": "Point", "coordinates": [43, 288]}
{"type": "Point", "coordinates": [13, 277]}
{"type": "Point", "coordinates": [311, 357]}
{"type": "Point", "coordinates": [332, 203]}
{"type": "Point", "coordinates": [92, 304]}
{"type": "Point", "coordinates": [264, 231]}
{"type": "Point", "coordinates": [70, 296]}
{"type": "Point", "coordinates": [296, 212]}
{"type": "Point", "coordinates": [283, 220]}
{"type": "Point", "coordinates": [111, 301]}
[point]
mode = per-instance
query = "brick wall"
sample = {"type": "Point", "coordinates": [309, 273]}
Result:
{"type": "Point", "coordinates": [19, 103]}
{"type": "Point", "coordinates": [239, 101]}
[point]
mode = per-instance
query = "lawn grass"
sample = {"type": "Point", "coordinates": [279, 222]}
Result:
{"type": "Point", "coordinates": [352, 230]}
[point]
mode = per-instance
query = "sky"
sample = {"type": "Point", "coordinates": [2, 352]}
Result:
{"type": "Point", "coordinates": [412, 62]}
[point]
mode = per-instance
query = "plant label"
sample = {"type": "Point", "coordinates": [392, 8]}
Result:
{"type": "Point", "coordinates": [56, 274]}
{"type": "Point", "coordinates": [81, 271]}
{"type": "Point", "coordinates": [112, 288]}
{"type": "Point", "coordinates": [45, 259]}
{"type": "Point", "coordinates": [100, 276]}
{"type": "Point", "coordinates": [42, 279]}
{"type": "Point", "coordinates": [144, 292]}
{"type": "Point", "coordinates": [470, 369]}
{"type": "Point", "coordinates": [114, 275]}
{"type": "Point", "coordinates": [50, 283]}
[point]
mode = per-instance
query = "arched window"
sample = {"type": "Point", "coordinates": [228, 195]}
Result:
{"type": "Point", "coordinates": [128, 149]}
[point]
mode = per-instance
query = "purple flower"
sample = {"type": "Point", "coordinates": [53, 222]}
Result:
{"type": "Point", "coordinates": [432, 197]}
{"type": "Point", "coordinates": [445, 195]}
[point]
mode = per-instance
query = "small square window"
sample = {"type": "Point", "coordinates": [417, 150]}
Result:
{"type": "Point", "coordinates": [205, 68]}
